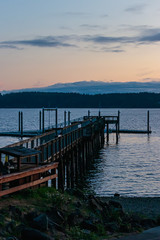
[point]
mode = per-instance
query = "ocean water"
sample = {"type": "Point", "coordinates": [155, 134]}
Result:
{"type": "Point", "coordinates": [131, 167]}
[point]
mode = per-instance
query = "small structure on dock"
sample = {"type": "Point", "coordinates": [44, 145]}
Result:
{"type": "Point", "coordinates": [21, 156]}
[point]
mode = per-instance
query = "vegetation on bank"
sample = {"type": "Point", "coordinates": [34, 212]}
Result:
{"type": "Point", "coordinates": [47, 214]}
{"type": "Point", "coordinates": [75, 100]}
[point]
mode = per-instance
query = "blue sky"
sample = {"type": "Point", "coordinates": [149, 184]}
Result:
{"type": "Point", "coordinates": [48, 42]}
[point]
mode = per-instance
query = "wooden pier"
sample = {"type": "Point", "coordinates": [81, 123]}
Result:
{"type": "Point", "coordinates": [57, 156]}
{"type": "Point", "coordinates": [60, 155]}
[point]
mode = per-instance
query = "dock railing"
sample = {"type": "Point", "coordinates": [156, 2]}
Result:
{"type": "Point", "coordinates": [14, 182]}
{"type": "Point", "coordinates": [48, 153]}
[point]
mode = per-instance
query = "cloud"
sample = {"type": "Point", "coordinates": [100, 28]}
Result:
{"type": "Point", "coordinates": [107, 43]}
{"type": "Point", "coordinates": [104, 15]}
{"type": "Point", "coordinates": [105, 39]}
{"type": "Point", "coordinates": [116, 49]}
{"type": "Point", "coordinates": [146, 35]}
{"type": "Point", "coordinates": [37, 84]}
{"type": "Point", "coordinates": [48, 41]}
{"type": "Point", "coordinates": [150, 38]}
{"type": "Point", "coordinates": [136, 8]}
{"type": "Point", "coordinates": [89, 26]}
{"type": "Point", "coordinates": [153, 81]}
{"type": "Point", "coordinates": [76, 14]}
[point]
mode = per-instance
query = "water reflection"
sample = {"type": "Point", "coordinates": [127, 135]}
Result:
{"type": "Point", "coordinates": [130, 168]}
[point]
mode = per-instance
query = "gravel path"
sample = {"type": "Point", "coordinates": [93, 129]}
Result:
{"type": "Point", "coordinates": [146, 206]}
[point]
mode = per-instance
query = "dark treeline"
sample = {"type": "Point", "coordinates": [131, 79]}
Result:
{"type": "Point", "coordinates": [75, 100]}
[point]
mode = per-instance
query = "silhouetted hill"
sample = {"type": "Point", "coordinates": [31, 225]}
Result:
{"type": "Point", "coordinates": [75, 100]}
{"type": "Point", "coordinates": [97, 87]}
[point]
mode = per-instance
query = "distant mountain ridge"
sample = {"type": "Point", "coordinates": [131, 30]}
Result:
{"type": "Point", "coordinates": [96, 87]}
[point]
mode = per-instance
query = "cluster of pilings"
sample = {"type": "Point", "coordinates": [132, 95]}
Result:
{"type": "Point", "coordinates": [73, 164]}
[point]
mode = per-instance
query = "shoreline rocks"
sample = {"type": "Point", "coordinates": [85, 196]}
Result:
{"type": "Point", "coordinates": [72, 215]}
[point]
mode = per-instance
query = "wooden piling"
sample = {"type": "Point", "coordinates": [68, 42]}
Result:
{"type": "Point", "coordinates": [69, 117]}
{"type": "Point", "coordinates": [43, 120]}
{"type": "Point", "coordinates": [72, 169]}
{"type": "Point", "coordinates": [118, 121]}
{"type": "Point", "coordinates": [21, 114]}
{"type": "Point", "coordinates": [148, 122]}
{"type": "Point", "coordinates": [65, 118]}
{"type": "Point", "coordinates": [19, 121]}
{"type": "Point", "coordinates": [116, 132]}
{"type": "Point", "coordinates": [56, 119]}
{"type": "Point", "coordinates": [68, 177]}
{"type": "Point", "coordinates": [107, 132]}
{"type": "Point", "coordinates": [40, 120]}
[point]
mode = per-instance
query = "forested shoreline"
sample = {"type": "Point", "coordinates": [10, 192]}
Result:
{"type": "Point", "coordinates": [75, 100]}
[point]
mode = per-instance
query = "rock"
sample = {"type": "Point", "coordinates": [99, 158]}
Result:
{"type": "Point", "coordinates": [85, 231]}
{"type": "Point", "coordinates": [79, 193]}
{"type": "Point", "coordinates": [115, 204]}
{"type": "Point", "coordinates": [55, 226]}
{"type": "Point", "coordinates": [10, 226]}
{"type": "Point", "coordinates": [75, 218]}
{"type": "Point", "coordinates": [2, 218]}
{"type": "Point", "coordinates": [135, 219]}
{"type": "Point", "coordinates": [56, 215]}
{"type": "Point", "coordinates": [15, 212]}
{"type": "Point", "coordinates": [148, 223]}
{"type": "Point", "coordinates": [95, 203]}
{"type": "Point", "coordinates": [78, 204]}
{"type": "Point", "coordinates": [112, 227]}
{"type": "Point", "coordinates": [34, 234]}
{"type": "Point", "coordinates": [125, 227]}
{"type": "Point", "coordinates": [89, 225]}
{"type": "Point", "coordinates": [30, 216]}
{"type": "Point", "coordinates": [11, 238]}
{"type": "Point", "coordinates": [117, 195]}
{"type": "Point", "coordinates": [41, 222]}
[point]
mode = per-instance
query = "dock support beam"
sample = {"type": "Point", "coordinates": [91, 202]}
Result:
{"type": "Point", "coordinates": [56, 119]}
{"type": "Point", "coordinates": [19, 121]}
{"type": "Point", "coordinates": [148, 122]}
{"type": "Point", "coordinates": [118, 121]}
{"type": "Point", "coordinates": [21, 124]}
{"type": "Point", "coordinates": [43, 120]}
{"type": "Point", "coordinates": [116, 132]}
{"type": "Point", "coordinates": [69, 117]}
{"type": "Point", "coordinates": [107, 132]}
{"type": "Point", "coordinates": [40, 120]}
{"type": "Point", "coordinates": [65, 118]}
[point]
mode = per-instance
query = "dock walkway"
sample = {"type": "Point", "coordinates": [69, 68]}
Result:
{"type": "Point", "coordinates": [60, 155]}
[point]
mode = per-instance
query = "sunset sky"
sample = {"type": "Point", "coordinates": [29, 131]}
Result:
{"type": "Point", "coordinates": [43, 42]}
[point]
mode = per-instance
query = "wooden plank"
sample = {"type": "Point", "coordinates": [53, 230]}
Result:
{"type": "Point", "coordinates": [27, 185]}
{"type": "Point", "coordinates": [15, 176]}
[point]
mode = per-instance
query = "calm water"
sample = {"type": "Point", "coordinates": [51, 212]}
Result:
{"type": "Point", "coordinates": [131, 167]}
